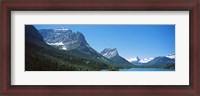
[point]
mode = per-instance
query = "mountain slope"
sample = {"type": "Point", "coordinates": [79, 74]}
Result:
{"type": "Point", "coordinates": [113, 55]}
{"type": "Point", "coordinates": [40, 56]}
{"type": "Point", "coordinates": [67, 40]}
{"type": "Point", "coordinates": [32, 33]}
{"type": "Point", "coordinates": [157, 62]}
{"type": "Point", "coordinates": [161, 60]}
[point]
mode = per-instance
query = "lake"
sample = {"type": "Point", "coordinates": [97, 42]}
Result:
{"type": "Point", "coordinates": [144, 69]}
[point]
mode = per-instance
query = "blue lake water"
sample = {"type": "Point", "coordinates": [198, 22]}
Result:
{"type": "Point", "coordinates": [144, 69]}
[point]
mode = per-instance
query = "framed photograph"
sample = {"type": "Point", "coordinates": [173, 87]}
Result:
{"type": "Point", "coordinates": [100, 47]}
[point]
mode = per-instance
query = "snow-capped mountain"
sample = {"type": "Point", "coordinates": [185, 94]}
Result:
{"type": "Point", "coordinates": [160, 60]}
{"type": "Point", "coordinates": [63, 37]}
{"type": "Point", "coordinates": [171, 56]}
{"type": "Point", "coordinates": [113, 55]}
{"type": "Point", "coordinates": [66, 39]}
{"type": "Point", "coordinates": [154, 60]}
{"type": "Point", "coordinates": [133, 59]}
{"type": "Point", "coordinates": [138, 60]}
{"type": "Point", "coordinates": [145, 60]}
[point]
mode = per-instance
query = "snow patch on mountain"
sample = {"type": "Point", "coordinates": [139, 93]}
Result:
{"type": "Point", "coordinates": [171, 56]}
{"type": "Point", "coordinates": [57, 43]}
{"type": "Point", "coordinates": [64, 48]}
{"type": "Point", "coordinates": [135, 59]}
{"type": "Point", "coordinates": [145, 60]}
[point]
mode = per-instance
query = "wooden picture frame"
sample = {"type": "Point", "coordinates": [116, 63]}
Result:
{"type": "Point", "coordinates": [100, 5]}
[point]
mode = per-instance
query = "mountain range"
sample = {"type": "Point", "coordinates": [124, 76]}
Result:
{"type": "Point", "coordinates": [62, 49]}
{"type": "Point", "coordinates": [52, 54]}
{"type": "Point", "coordinates": [65, 39]}
{"type": "Point", "coordinates": [159, 61]}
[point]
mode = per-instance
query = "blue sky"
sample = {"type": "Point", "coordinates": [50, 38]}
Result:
{"type": "Point", "coordinates": [130, 40]}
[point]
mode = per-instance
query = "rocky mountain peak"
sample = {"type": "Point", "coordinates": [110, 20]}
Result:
{"type": "Point", "coordinates": [110, 52]}
{"type": "Point", "coordinates": [81, 38]}
{"type": "Point", "coordinates": [63, 38]}
{"type": "Point", "coordinates": [138, 59]}
{"type": "Point", "coordinates": [171, 56]}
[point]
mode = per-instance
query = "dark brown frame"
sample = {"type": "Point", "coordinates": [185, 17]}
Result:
{"type": "Point", "coordinates": [193, 89]}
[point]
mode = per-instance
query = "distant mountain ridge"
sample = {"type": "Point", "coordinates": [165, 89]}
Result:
{"type": "Point", "coordinates": [171, 56]}
{"type": "Point", "coordinates": [158, 61]}
{"type": "Point", "coordinates": [146, 60]}
{"type": "Point", "coordinates": [161, 60]}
